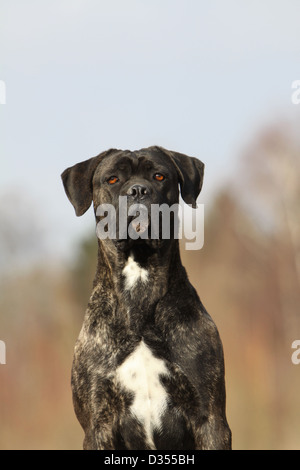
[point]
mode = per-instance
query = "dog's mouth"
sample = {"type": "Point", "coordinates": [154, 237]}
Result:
{"type": "Point", "coordinates": [140, 224]}
{"type": "Point", "coordinates": [138, 227]}
{"type": "Point", "coordinates": [137, 231]}
{"type": "Point", "coordinates": [136, 224]}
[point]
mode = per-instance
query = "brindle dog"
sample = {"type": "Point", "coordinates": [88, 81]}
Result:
{"type": "Point", "coordinates": [148, 370]}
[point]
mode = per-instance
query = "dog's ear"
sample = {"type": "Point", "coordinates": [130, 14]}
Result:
{"type": "Point", "coordinates": [190, 173]}
{"type": "Point", "coordinates": [78, 182]}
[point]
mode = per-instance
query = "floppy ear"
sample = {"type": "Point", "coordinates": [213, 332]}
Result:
{"type": "Point", "coordinates": [190, 172]}
{"type": "Point", "coordinates": [78, 182]}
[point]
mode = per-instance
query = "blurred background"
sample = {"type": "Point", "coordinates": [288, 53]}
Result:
{"type": "Point", "coordinates": [209, 79]}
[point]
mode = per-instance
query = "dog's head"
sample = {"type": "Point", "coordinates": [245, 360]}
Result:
{"type": "Point", "coordinates": [144, 178]}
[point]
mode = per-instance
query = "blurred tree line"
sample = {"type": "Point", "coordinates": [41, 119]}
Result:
{"type": "Point", "coordinates": [248, 277]}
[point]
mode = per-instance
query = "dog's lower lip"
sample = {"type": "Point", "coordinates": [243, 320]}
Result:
{"type": "Point", "coordinates": [140, 227]}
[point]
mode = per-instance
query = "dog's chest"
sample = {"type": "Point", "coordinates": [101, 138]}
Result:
{"type": "Point", "coordinates": [133, 274]}
{"type": "Point", "coordinates": [140, 374]}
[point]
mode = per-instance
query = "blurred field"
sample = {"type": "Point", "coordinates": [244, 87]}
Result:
{"type": "Point", "coordinates": [248, 277]}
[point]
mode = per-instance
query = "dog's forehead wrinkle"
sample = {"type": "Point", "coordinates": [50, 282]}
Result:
{"type": "Point", "coordinates": [117, 162]}
{"type": "Point", "coordinates": [135, 162]}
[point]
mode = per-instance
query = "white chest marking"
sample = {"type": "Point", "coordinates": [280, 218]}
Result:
{"type": "Point", "coordinates": [139, 374]}
{"type": "Point", "coordinates": [133, 272]}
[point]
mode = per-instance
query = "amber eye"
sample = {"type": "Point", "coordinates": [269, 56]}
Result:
{"type": "Point", "coordinates": [159, 177]}
{"type": "Point", "coordinates": [112, 180]}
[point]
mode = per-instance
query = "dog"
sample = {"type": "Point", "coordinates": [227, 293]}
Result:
{"type": "Point", "coordinates": [148, 367]}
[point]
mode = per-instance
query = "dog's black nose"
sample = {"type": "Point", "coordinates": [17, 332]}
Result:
{"type": "Point", "coordinates": [138, 191]}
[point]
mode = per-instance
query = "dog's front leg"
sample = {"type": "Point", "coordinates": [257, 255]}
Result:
{"type": "Point", "coordinates": [92, 441]}
{"type": "Point", "coordinates": [214, 434]}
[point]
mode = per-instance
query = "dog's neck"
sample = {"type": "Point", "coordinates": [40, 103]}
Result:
{"type": "Point", "coordinates": [138, 277]}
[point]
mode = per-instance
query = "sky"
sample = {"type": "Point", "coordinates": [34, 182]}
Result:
{"type": "Point", "coordinates": [82, 76]}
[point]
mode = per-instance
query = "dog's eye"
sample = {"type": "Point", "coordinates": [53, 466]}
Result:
{"type": "Point", "coordinates": [159, 177]}
{"type": "Point", "coordinates": [112, 180]}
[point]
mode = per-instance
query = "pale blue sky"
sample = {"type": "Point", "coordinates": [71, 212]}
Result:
{"type": "Point", "coordinates": [82, 76]}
